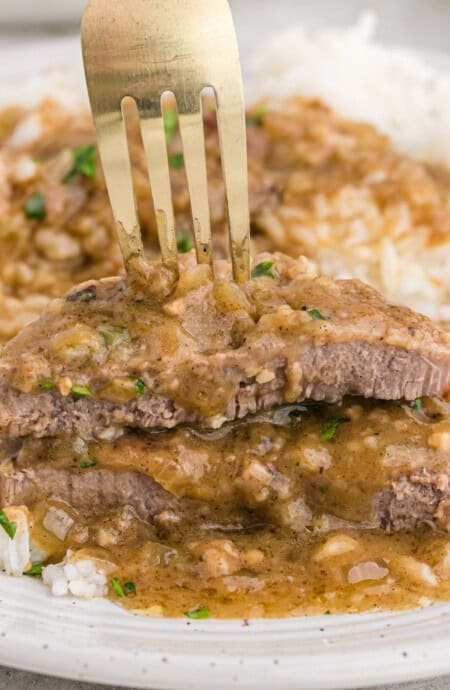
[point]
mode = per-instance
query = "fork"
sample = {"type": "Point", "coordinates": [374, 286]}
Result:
{"type": "Point", "coordinates": [142, 49]}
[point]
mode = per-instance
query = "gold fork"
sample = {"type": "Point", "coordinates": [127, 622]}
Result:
{"type": "Point", "coordinates": [141, 49]}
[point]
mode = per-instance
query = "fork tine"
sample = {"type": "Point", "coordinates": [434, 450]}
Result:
{"type": "Point", "coordinates": [233, 148]}
{"type": "Point", "coordinates": [141, 49]}
{"type": "Point", "coordinates": [192, 134]}
{"type": "Point", "coordinates": [113, 147]}
{"type": "Point", "coordinates": [152, 127]}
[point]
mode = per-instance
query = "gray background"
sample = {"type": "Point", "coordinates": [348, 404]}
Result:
{"type": "Point", "coordinates": [18, 680]}
{"type": "Point", "coordinates": [423, 24]}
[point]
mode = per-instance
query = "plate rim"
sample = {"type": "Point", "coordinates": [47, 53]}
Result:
{"type": "Point", "coordinates": [97, 641]}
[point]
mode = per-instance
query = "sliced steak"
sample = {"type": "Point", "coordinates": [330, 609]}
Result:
{"type": "Point", "coordinates": [362, 463]}
{"type": "Point", "coordinates": [412, 501]}
{"type": "Point", "coordinates": [111, 354]}
{"type": "Point", "coordinates": [90, 490]}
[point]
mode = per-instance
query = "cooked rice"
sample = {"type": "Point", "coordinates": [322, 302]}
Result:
{"type": "Point", "coordinates": [398, 91]}
{"type": "Point", "coordinates": [348, 231]}
{"type": "Point", "coordinates": [15, 553]}
{"type": "Point", "coordinates": [358, 208]}
{"type": "Point", "coordinates": [79, 577]}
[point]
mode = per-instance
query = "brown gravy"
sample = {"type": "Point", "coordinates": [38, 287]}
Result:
{"type": "Point", "coordinates": [276, 517]}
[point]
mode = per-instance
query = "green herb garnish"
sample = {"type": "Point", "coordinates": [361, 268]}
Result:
{"type": "Point", "coordinates": [170, 123]}
{"type": "Point", "coordinates": [263, 269]}
{"type": "Point", "coordinates": [258, 120]}
{"type": "Point", "coordinates": [184, 242]}
{"type": "Point", "coordinates": [329, 431]}
{"type": "Point", "coordinates": [416, 404]}
{"type": "Point", "coordinates": [176, 160]}
{"type": "Point", "coordinates": [8, 525]}
{"type": "Point", "coordinates": [199, 613]}
{"type": "Point", "coordinates": [123, 591]}
{"type": "Point", "coordinates": [130, 587]}
{"type": "Point", "coordinates": [84, 163]}
{"type": "Point", "coordinates": [46, 385]}
{"type": "Point", "coordinates": [316, 315]}
{"type": "Point", "coordinates": [80, 392]}
{"type": "Point", "coordinates": [35, 570]}
{"type": "Point", "coordinates": [140, 387]}
{"type": "Point", "coordinates": [88, 463]}
{"type": "Point", "coordinates": [117, 587]}
{"type": "Point", "coordinates": [327, 612]}
{"type": "Point", "coordinates": [35, 206]}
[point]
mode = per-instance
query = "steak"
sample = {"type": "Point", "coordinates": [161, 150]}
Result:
{"type": "Point", "coordinates": [89, 491]}
{"type": "Point", "coordinates": [413, 501]}
{"type": "Point", "coordinates": [114, 354]}
{"type": "Point", "coordinates": [362, 463]}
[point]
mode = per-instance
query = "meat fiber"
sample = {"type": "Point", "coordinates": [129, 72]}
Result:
{"type": "Point", "coordinates": [115, 355]}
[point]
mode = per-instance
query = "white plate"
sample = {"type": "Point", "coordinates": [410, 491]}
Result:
{"type": "Point", "coordinates": [99, 642]}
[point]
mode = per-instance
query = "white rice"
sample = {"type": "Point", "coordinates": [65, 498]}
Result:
{"type": "Point", "coordinates": [400, 92]}
{"type": "Point", "coordinates": [60, 82]}
{"type": "Point", "coordinates": [79, 577]}
{"type": "Point", "coordinates": [15, 553]}
{"type": "Point", "coordinates": [76, 575]}
{"type": "Point", "coordinates": [404, 97]}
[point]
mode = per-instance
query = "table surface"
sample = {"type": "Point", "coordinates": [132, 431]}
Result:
{"type": "Point", "coordinates": [394, 27]}
{"type": "Point", "coordinates": [19, 680]}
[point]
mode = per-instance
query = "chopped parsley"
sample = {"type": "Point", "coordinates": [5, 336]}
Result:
{"type": "Point", "coordinates": [130, 587]}
{"type": "Point", "coordinates": [35, 206]}
{"type": "Point", "coordinates": [8, 525]}
{"type": "Point", "coordinates": [170, 123]}
{"type": "Point", "coordinates": [140, 387]}
{"type": "Point", "coordinates": [88, 463]}
{"type": "Point", "coordinates": [258, 119]}
{"type": "Point", "coordinates": [176, 160]}
{"type": "Point", "coordinates": [331, 427]}
{"type": "Point", "coordinates": [416, 404]}
{"type": "Point", "coordinates": [184, 242]}
{"type": "Point", "coordinates": [316, 315]}
{"type": "Point", "coordinates": [123, 591]}
{"type": "Point", "coordinates": [263, 269]}
{"type": "Point", "coordinates": [35, 570]}
{"type": "Point", "coordinates": [84, 163]}
{"type": "Point", "coordinates": [198, 613]}
{"type": "Point", "coordinates": [117, 587]}
{"type": "Point", "coordinates": [80, 392]}
{"type": "Point", "coordinates": [46, 385]}
{"type": "Point", "coordinates": [327, 612]}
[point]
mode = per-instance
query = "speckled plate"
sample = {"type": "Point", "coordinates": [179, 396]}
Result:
{"type": "Point", "coordinates": [99, 642]}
